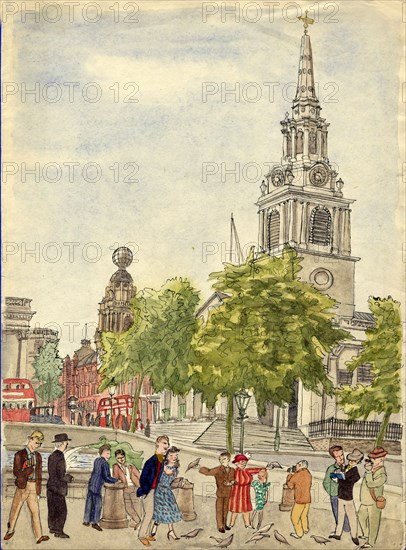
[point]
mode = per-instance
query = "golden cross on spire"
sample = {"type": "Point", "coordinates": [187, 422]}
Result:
{"type": "Point", "coordinates": [306, 21]}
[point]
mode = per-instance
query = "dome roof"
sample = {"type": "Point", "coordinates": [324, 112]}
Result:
{"type": "Point", "coordinates": [121, 276]}
{"type": "Point", "coordinates": [122, 257]}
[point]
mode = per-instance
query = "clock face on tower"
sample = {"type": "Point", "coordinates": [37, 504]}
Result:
{"type": "Point", "coordinates": [277, 177]}
{"type": "Point", "coordinates": [318, 175]}
{"type": "Point", "coordinates": [322, 278]}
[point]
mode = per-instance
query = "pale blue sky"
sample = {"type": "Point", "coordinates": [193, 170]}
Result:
{"type": "Point", "coordinates": [170, 133]}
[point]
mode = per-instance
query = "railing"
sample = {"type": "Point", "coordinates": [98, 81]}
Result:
{"type": "Point", "coordinates": [335, 427]}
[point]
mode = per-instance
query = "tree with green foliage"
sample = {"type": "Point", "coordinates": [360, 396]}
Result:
{"type": "Point", "coordinates": [382, 350]}
{"type": "Point", "coordinates": [157, 345]}
{"type": "Point", "coordinates": [48, 368]}
{"type": "Point", "coordinates": [272, 331]}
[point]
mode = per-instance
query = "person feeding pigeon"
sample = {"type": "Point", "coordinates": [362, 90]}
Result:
{"type": "Point", "coordinates": [224, 476]}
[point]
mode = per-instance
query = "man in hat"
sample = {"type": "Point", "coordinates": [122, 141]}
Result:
{"type": "Point", "coordinates": [57, 487]}
{"type": "Point", "coordinates": [372, 487]}
{"type": "Point", "coordinates": [27, 470]}
{"type": "Point", "coordinates": [346, 481]}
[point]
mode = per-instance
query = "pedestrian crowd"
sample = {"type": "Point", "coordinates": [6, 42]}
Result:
{"type": "Point", "coordinates": [149, 499]}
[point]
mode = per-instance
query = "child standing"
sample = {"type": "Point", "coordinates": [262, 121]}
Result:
{"type": "Point", "coordinates": [261, 488]}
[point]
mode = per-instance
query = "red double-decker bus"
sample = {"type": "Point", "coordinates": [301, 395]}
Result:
{"type": "Point", "coordinates": [120, 410]}
{"type": "Point", "coordinates": [18, 399]}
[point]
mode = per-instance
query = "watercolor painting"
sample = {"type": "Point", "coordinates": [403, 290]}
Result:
{"type": "Point", "coordinates": [203, 274]}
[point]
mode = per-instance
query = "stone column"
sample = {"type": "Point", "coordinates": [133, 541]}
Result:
{"type": "Point", "coordinates": [340, 230]}
{"type": "Point", "coordinates": [290, 221]}
{"type": "Point", "coordinates": [325, 151]}
{"type": "Point", "coordinates": [346, 232]}
{"type": "Point", "coordinates": [114, 514]}
{"type": "Point", "coordinates": [318, 143]}
{"type": "Point", "coordinates": [261, 229]}
{"type": "Point", "coordinates": [305, 222]}
{"type": "Point", "coordinates": [305, 155]}
{"type": "Point", "coordinates": [285, 144]}
{"type": "Point", "coordinates": [174, 407]}
{"type": "Point", "coordinates": [189, 404]}
{"type": "Point", "coordinates": [336, 231]}
{"type": "Point", "coordinates": [282, 231]}
{"type": "Point", "coordinates": [293, 134]}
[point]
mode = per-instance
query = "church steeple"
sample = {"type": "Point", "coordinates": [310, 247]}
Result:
{"type": "Point", "coordinates": [302, 203]}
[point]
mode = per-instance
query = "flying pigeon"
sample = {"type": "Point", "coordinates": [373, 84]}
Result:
{"type": "Point", "coordinates": [273, 465]}
{"type": "Point", "coordinates": [193, 464]}
{"type": "Point", "coordinates": [320, 540]}
{"type": "Point", "coordinates": [226, 542]}
{"type": "Point", "coordinates": [265, 528]}
{"type": "Point", "coordinates": [192, 534]}
{"type": "Point", "coordinates": [280, 538]}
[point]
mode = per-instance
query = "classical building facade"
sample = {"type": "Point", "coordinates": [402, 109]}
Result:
{"type": "Point", "coordinates": [20, 342]}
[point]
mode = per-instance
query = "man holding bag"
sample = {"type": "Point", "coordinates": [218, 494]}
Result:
{"type": "Point", "coordinates": [372, 500]}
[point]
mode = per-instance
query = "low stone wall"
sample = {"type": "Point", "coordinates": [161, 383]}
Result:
{"type": "Point", "coordinates": [364, 445]}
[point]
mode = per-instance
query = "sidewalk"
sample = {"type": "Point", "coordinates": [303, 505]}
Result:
{"type": "Point", "coordinates": [321, 523]}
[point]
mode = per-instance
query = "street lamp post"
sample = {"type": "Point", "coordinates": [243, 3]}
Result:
{"type": "Point", "coordinates": [112, 390]}
{"type": "Point", "coordinates": [242, 399]}
{"type": "Point", "coordinates": [72, 406]}
{"type": "Point", "coordinates": [277, 440]}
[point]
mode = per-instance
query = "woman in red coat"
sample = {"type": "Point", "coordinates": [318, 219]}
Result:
{"type": "Point", "coordinates": [240, 500]}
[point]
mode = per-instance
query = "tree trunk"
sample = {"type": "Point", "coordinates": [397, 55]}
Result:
{"type": "Point", "coordinates": [229, 423]}
{"type": "Point", "coordinates": [382, 430]}
{"type": "Point", "coordinates": [136, 401]}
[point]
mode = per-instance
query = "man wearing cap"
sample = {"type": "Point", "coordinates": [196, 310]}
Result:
{"type": "Point", "coordinates": [372, 487]}
{"type": "Point", "coordinates": [346, 481]}
{"type": "Point", "coordinates": [57, 487]}
{"type": "Point", "coordinates": [27, 470]}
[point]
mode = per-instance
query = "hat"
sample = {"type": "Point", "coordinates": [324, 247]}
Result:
{"type": "Point", "coordinates": [237, 458]}
{"type": "Point", "coordinates": [378, 452]}
{"type": "Point", "coordinates": [355, 455]}
{"type": "Point", "coordinates": [37, 435]}
{"type": "Point", "coordinates": [60, 438]}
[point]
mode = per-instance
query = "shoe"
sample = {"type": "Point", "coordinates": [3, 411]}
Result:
{"type": "Point", "coordinates": [222, 530]}
{"type": "Point", "coordinates": [8, 535]}
{"type": "Point", "coordinates": [154, 529]}
{"type": "Point", "coordinates": [362, 537]}
{"type": "Point", "coordinates": [151, 537]}
{"type": "Point", "coordinates": [295, 536]}
{"type": "Point", "coordinates": [171, 535]}
{"type": "Point", "coordinates": [366, 545]}
{"type": "Point", "coordinates": [227, 528]}
{"type": "Point", "coordinates": [337, 537]}
{"type": "Point", "coordinates": [145, 542]}
{"type": "Point", "coordinates": [85, 523]}
{"type": "Point", "coordinates": [62, 535]}
{"type": "Point", "coordinates": [306, 531]}
{"type": "Point", "coordinates": [97, 527]}
{"type": "Point", "coordinates": [249, 526]}
{"type": "Point", "coordinates": [42, 539]}
{"type": "Point", "coordinates": [355, 541]}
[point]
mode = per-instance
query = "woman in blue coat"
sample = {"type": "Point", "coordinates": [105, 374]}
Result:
{"type": "Point", "coordinates": [165, 507]}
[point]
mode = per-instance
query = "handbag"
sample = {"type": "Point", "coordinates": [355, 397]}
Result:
{"type": "Point", "coordinates": [379, 501]}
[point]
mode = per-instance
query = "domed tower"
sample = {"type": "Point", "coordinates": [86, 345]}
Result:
{"type": "Point", "coordinates": [114, 311]}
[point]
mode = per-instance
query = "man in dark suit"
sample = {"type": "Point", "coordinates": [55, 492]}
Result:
{"type": "Point", "coordinates": [150, 475]}
{"type": "Point", "coordinates": [27, 470]}
{"type": "Point", "coordinates": [100, 475]}
{"type": "Point", "coordinates": [57, 487]}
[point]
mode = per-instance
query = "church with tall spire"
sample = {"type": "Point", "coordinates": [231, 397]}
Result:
{"type": "Point", "coordinates": [302, 203]}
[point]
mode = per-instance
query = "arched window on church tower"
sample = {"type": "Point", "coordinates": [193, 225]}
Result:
{"type": "Point", "coordinates": [320, 226]}
{"type": "Point", "coordinates": [312, 142]}
{"type": "Point", "coordinates": [273, 229]}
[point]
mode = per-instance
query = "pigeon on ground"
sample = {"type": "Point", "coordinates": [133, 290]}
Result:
{"type": "Point", "coordinates": [280, 538]}
{"type": "Point", "coordinates": [192, 534]}
{"type": "Point", "coordinates": [225, 543]}
{"type": "Point", "coordinates": [265, 528]}
{"type": "Point", "coordinates": [193, 464]}
{"type": "Point", "coordinates": [217, 539]}
{"type": "Point", "coordinates": [255, 538]}
{"type": "Point", "coordinates": [273, 465]}
{"type": "Point", "coordinates": [320, 540]}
